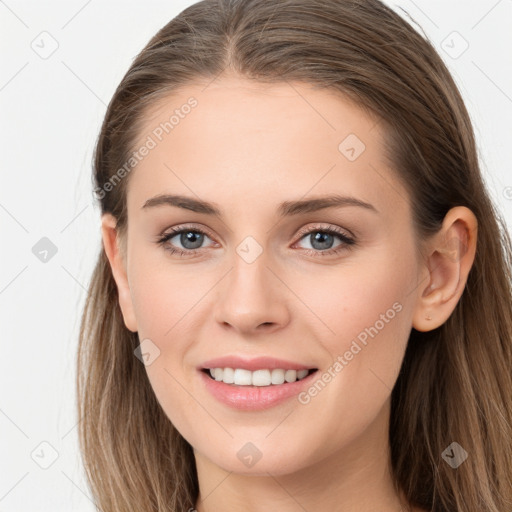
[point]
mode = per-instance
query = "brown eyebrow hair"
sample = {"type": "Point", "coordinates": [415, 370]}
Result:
{"type": "Point", "coordinates": [285, 209]}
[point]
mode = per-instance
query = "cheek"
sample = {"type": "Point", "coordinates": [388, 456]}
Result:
{"type": "Point", "coordinates": [363, 315]}
{"type": "Point", "coordinates": [365, 322]}
{"type": "Point", "coordinates": [163, 300]}
{"type": "Point", "coordinates": [162, 295]}
{"type": "Point", "coordinates": [354, 296]}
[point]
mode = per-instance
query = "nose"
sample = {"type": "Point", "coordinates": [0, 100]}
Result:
{"type": "Point", "coordinates": [252, 299]}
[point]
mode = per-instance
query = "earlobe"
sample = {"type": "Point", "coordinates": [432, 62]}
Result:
{"type": "Point", "coordinates": [112, 247]}
{"type": "Point", "coordinates": [451, 254]}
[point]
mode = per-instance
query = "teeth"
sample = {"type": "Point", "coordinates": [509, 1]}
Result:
{"type": "Point", "coordinates": [290, 376]}
{"type": "Point", "coordinates": [277, 376]}
{"type": "Point", "coordinates": [301, 374]}
{"type": "Point", "coordinates": [241, 377]}
{"type": "Point", "coordinates": [228, 375]}
{"type": "Point", "coordinates": [261, 378]}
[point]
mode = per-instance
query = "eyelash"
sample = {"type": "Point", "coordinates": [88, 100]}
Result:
{"type": "Point", "coordinates": [347, 242]}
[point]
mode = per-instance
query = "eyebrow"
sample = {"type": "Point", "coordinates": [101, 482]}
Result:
{"type": "Point", "coordinates": [285, 209]}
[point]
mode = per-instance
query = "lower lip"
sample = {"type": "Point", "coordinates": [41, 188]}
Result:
{"type": "Point", "coordinates": [254, 398]}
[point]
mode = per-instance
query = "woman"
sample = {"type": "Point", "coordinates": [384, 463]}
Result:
{"type": "Point", "coordinates": [225, 365]}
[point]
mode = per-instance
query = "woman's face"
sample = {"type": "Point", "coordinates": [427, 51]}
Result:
{"type": "Point", "coordinates": [281, 279]}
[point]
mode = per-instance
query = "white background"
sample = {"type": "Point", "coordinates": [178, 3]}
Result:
{"type": "Point", "coordinates": [51, 110]}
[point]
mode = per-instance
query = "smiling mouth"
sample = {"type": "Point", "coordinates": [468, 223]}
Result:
{"type": "Point", "coordinates": [257, 378]}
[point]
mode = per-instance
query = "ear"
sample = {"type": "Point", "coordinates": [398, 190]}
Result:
{"type": "Point", "coordinates": [117, 259]}
{"type": "Point", "coordinates": [450, 256]}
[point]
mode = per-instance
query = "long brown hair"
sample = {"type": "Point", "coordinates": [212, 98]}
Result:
{"type": "Point", "coordinates": [455, 383]}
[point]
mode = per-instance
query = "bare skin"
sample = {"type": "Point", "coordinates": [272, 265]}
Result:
{"type": "Point", "coordinates": [248, 147]}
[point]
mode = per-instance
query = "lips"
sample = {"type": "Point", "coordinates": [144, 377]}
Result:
{"type": "Point", "coordinates": [254, 384]}
{"type": "Point", "coordinates": [261, 371]}
{"type": "Point", "coordinates": [253, 364]}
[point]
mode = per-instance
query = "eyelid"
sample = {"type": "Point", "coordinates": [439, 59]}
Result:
{"type": "Point", "coordinates": [163, 238]}
{"type": "Point", "coordinates": [348, 239]}
{"type": "Point", "coordinates": [303, 231]}
{"type": "Point", "coordinates": [190, 227]}
{"type": "Point", "coordinates": [325, 227]}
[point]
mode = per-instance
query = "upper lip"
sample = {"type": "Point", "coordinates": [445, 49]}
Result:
{"type": "Point", "coordinates": [255, 363]}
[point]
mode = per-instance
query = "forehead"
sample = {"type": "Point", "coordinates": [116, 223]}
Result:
{"type": "Point", "coordinates": [234, 138]}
